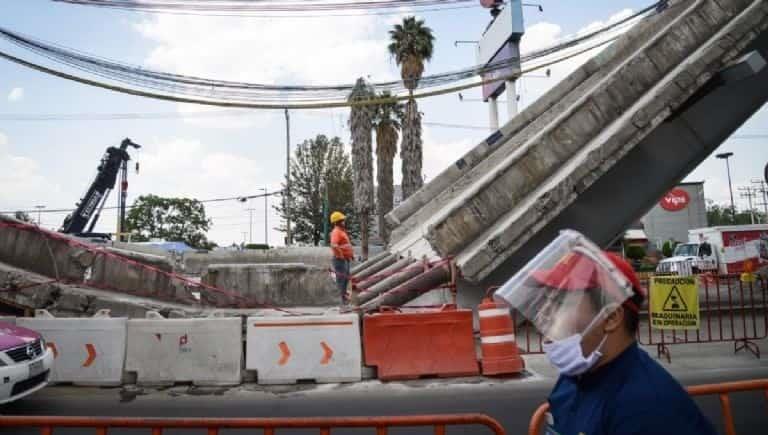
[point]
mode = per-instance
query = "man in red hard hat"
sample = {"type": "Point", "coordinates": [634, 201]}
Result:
{"type": "Point", "coordinates": [586, 302]}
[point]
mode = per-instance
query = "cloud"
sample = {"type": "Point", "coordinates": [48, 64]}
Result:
{"type": "Point", "coordinates": [21, 178]}
{"type": "Point", "coordinates": [186, 167]}
{"type": "Point", "coordinates": [336, 50]}
{"type": "Point", "coordinates": [16, 94]}
{"type": "Point", "coordinates": [544, 34]}
{"type": "Point", "coordinates": [200, 116]}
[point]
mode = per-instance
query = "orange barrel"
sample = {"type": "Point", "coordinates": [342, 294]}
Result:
{"type": "Point", "coordinates": [497, 339]}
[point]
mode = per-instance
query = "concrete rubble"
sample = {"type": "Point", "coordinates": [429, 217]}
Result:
{"type": "Point", "coordinates": [280, 285]}
{"type": "Point", "coordinates": [195, 263]}
{"type": "Point", "coordinates": [26, 292]}
{"type": "Point", "coordinates": [550, 167]}
{"type": "Point", "coordinates": [73, 261]}
{"type": "Point", "coordinates": [75, 277]}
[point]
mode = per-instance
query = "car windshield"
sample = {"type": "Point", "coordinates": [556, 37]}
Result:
{"type": "Point", "coordinates": [687, 250]}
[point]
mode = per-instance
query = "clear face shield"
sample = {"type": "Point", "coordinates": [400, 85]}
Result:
{"type": "Point", "coordinates": [568, 287]}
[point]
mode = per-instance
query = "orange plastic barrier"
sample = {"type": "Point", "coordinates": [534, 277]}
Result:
{"type": "Point", "coordinates": [269, 425]}
{"type": "Point", "coordinates": [537, 420]}
{"type": "Point", "coordinates": [497, 337]}
{"type": "Point", "coordinates": [427, 342]}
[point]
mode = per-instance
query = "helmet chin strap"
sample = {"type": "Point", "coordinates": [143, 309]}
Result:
{"type": "Point", "coordinates": [602, 315]}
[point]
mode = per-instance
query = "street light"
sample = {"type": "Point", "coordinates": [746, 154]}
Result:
{"type": "Point", "coordinates": [726, 156]}
{"type": "Point", "coordinates": [464, 41]}
{"type": "Point", "coordinates": [533, 5]}
{"type": "Point", "coordinates": [39, 208]}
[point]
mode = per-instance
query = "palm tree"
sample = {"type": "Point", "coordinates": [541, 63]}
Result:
{"type": "Point", "coordinates": [411, 45]}
{"type": "Point", "coordinates": [387, 123]}
{"type": "Point", "coordinates": [361, 124]}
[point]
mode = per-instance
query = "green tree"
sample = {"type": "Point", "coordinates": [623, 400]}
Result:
{"type": "Point", "coordinates": [635, 253]}
{"type": "Point", "coordinates": [361, 124]}
{"type": "Point", "coordinates": [411, 44]}
{"type": "Point", "coordinates": [718, 214]}
{"type": "Point", "coordinates": [22, 216]}
{"type": "Point", "coordinates": [668, 248]}
{"type": "Point", "coordinates": [320, 169]}
{"type": "Point", "coordinates": [172, 219]}
{"type": "Point", "coordinates": [387, 124]}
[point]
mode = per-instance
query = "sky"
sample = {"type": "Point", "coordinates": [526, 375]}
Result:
{"type": "Point", "coordinates": [51, 163]}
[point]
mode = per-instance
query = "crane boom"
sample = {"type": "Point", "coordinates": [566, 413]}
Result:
{"type": "Point", "coordinates": [89, 207]}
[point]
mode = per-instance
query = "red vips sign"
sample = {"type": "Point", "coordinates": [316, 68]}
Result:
{"type": "Point", "coordinates": [676, 200]}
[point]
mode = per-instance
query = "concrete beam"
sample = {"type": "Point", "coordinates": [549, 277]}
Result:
{"type": "Point", "coordinates": [412, 288]}
{"type": "Point", "coordinates": [410, 270]}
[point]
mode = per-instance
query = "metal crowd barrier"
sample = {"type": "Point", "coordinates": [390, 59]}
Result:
{"type": "Point", "coordinates": [212, 426]}
{"type": "Point", "coordinates": [729, 311]}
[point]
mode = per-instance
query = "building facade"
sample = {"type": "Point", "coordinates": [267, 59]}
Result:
{"type": "Point", "coordinates": [681, 209]}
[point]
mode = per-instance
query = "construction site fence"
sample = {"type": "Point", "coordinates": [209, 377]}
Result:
{"type": "Point", "coordinates": [270, 426]}
{"type": "Point", "coordinates": [722, 390]}
{"type": "Point", "coordinates": [730, 310]}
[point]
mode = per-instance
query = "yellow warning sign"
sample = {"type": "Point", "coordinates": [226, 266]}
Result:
{"type": "Point", "coordinates": [674, 302]}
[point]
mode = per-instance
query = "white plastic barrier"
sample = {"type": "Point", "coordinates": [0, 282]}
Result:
{"type": "Point", "coordinates": [86, 350]}
{"type": "Point", "coordinates": [8, 319]}
{"type": "Point", "coordinates": [206, 351]}
{"type": "Point", "coordinates": [284, 350]}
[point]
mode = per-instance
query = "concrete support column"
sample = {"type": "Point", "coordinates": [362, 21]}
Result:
{"type": "Point", "coordinates": [493, 114]}
{"type": "Point", "coordinates": [511, 99]}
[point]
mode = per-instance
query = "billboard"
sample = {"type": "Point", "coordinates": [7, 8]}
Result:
{"type": "Point", "coordinates": [501, 42]}
{"type": "Point", "coordinates": [675, 200]}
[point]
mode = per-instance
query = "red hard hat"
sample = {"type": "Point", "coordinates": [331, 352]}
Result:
{"type": "Point", "coordinates": [579, 272]}
{"type": "Point", "coordinates": [629, 273]}
{"type": "Point", "coordinates": [574, 272]}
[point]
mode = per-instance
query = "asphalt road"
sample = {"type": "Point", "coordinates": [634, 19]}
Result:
{"type": "Point", "coordinates": [511, 402]}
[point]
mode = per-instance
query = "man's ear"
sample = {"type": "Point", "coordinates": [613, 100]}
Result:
{"type": "Point", "coordinates": [615, 320]}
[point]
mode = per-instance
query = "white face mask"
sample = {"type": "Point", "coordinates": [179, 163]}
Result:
{"type": "Point", "coordinates": [566, 354]}
{"type": "Point", "coordinates": [567, 357]}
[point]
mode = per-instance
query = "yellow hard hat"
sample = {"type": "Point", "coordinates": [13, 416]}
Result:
{"type": "Point", "coordinates": [337, 216]}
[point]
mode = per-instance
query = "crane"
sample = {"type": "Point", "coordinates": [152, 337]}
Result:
{"type": "Point", "coordinates": [115, 161]}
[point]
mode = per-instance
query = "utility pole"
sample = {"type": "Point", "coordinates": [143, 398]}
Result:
{"type": "Point", "coordinates": [747, 192]}
{"type": "Point", "coordinates": [266, 195]}
{"type": "Point", "coordinates": [250, 224]}
{"type": "Point", "coordinates": [763, 193]}
{"type": "Point", "coordinates": [266, 214]}
{"type": "Point", "coordinates": [511, 86]}
{"type": "Point", "coordinates": [287, 195]}
{"type": "Point", "coordinates": [39, 208]}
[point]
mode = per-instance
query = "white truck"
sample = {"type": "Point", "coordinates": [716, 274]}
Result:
{"type": "Point", "coordinates": [721, 250]}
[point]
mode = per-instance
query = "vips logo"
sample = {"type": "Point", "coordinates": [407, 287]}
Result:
{"type": "Point", "coordinates": [676, 200]}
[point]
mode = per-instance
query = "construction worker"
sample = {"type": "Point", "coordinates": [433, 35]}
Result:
{"type": "Point", "coordinates": [586, 302]}
{"type": "Point", "coordinates": [342, 252]}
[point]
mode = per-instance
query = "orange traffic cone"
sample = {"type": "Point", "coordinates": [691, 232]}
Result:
{"type": "Point", "coordinates": [497, 339]}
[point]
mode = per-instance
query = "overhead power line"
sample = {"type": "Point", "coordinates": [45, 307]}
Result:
{"type": "Point", "coordinates": [213, 88]}
{"type": "Point", "coordinates": [245, 8]}
{"type": "Point", "coordinates": [191, 89]}
{"type": "Point", "coordinates": [204, 201]}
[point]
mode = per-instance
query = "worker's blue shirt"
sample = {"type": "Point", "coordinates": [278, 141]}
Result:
{"type": "Point", "coordinates": [631, 395]}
